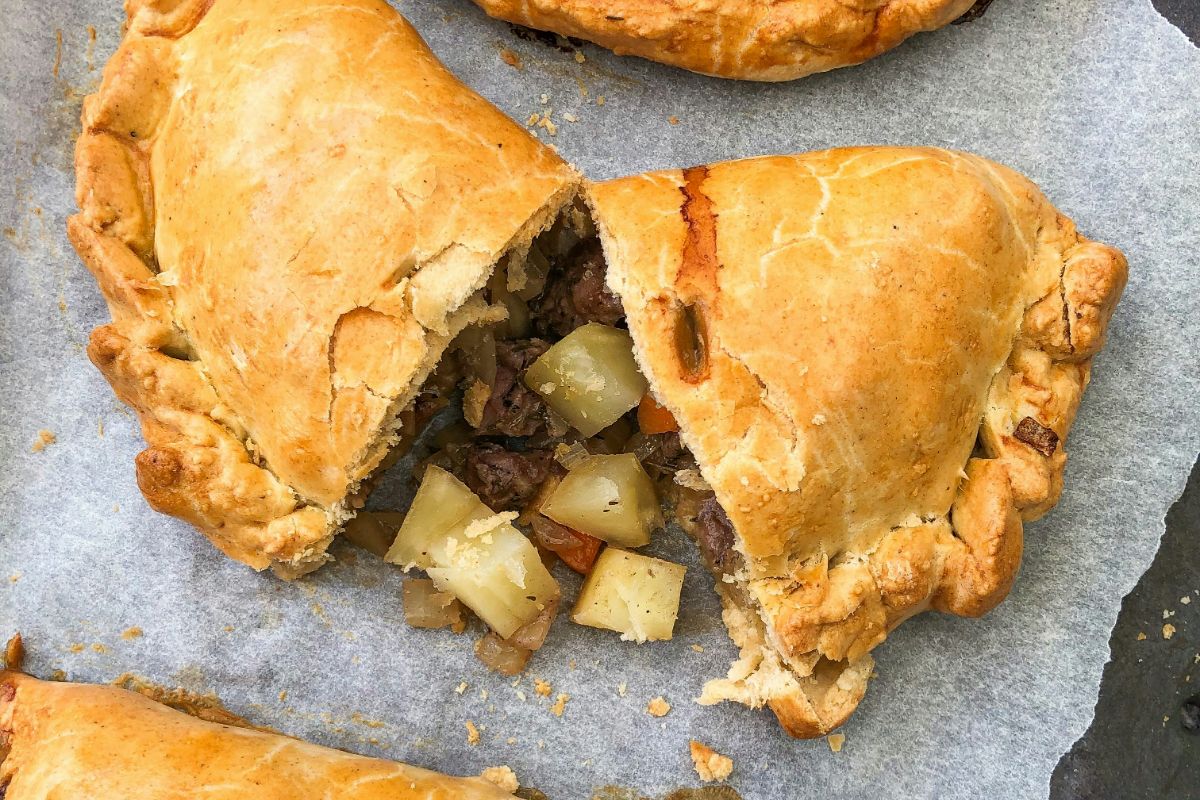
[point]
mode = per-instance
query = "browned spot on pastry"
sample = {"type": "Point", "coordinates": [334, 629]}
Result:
{"type": "Point", "coordinates": [157, 468]}
{"type": "Point", "coordinates": [14, 653]}
{"type": "Point", "coordinates": [974, 12]}
{"type": "Point", "coordinates": [1037, 436]}
{"type": "Point", "coordinates": [698, 272]}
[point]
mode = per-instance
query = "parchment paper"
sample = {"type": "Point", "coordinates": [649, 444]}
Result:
{"type": "Point", "coordinates": [1096, 100]}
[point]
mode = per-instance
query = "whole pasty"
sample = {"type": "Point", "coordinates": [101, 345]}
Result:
{"type": "Point", "coordinates": [67, 741]}
{"type": "Point", "coordinates": [289, 207]}
{"type": "Point", "coordinates": [875, 355]}
{"type": "Point", "coordinates": [762, 40]}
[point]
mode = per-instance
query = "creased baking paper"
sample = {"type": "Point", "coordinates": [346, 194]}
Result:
{"type": "Point", "coordinates": [1096, 100]}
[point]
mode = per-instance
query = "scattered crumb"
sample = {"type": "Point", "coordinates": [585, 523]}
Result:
{"type": "Point", "coordinates": [16, 576]}
{"type": "Point", "coordinates": [710, 765]}
{"type": "Point", "coordinates": [571, 664]}
{"type": "Point", "coordinates": [1168, 614]}
{"type": "Point", "coordinates": [658, 707]}
{"type": "Point", "coordinates": [511, 58]}
{"type": "Point", "coordinates": [698, 648]}
{"type": "Point", "coordinates": [1168, 631]}
{"type": "Point", "coordinates": [462, 687]}
{"type": "Point", "coordinates": [472, 733]}
{"type": "Point", "coordinates": [541, 744]}
{"type": "Point", "coordinates": [77, 648]}
{"type": "Point", "coordinates": [836, 741]}
{"type": "Point", "coordinates": [544, 99]}
{"type": "Point", "coordinates": [483, 694]}
{"type": "Point", "coordinates": [569, 117]}
{"type": "Point", "coordinates": [100, 428]}
{"type": "Point", "coordinates": [58, 675]}
{"type": "Point", "coordinates": [44, 439]}
{"type": "Point", "coordinates": [228, 629]}
{"type": "Point", "coordinates": [674, 120]}
{"type": "Point", "coordinates": [1141, 637]}
{"type": "Point", "coordinates": [600, 100]}
{"type": "Point", "coordinates": [533, 118]}
{"type": "Point", "coordinates": [560, 704]}
{"type": "Point", "coordinates": [818, 419]}
{"type": "Point", "coordinates": [580, 57]}
{"type": "Point", "coordinates": [511, 740]}
{"type": "Point", "coordinates": [622, 688]}
{"type": "Point", "coordinates": [1186, 599]}
{"type": "Point", "coordinates": [542, 687]}
{"type": "Point", "coordinates": [116, 508]}
{"type": "Point", "coordinates": [521, 695]}
{"type": "Point", "coordinates": [283, 695]}
{"type": "Point", "coordinates": [361, 720]}
{"type": "Point", "coordinates": [131, 633]}
{"type": "Point", "coordinates": [503, 777]}
{"type": "Point", "coordinates": [99, 648]}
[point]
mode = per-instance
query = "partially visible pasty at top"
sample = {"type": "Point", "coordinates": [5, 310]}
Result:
{"type": "Point", "coordinates": [762, 40]}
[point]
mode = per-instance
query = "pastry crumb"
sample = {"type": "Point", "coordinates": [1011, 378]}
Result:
{"type": "Point", "coordinates": [511, 740]}
{"type": "Point", "coordinates": [43, 440]}
{"type": "Point", "coordinates": [1168, 631]}
{"type": "Point", "coordinates": [544, 99]}
{"type": "Point", "coordinates": [580, 57]}
{"type": "Point", "coordinates": [673, 120]}
{"type": "Point", "coordinates": [569, 117]}
{"type": "Point", "coordinates": [472, 733]}
{"type": "Point", "coordinates": [818, 419]}
{"type": "Point", "coordinates": [600, 100]}
{"type": "Point", "coordinates": [1168, 614]}
{"type": "Point", "coordinates": [710, 765]}
{"type": "Point", "coordinates": [658, 707]}
{"type": "Point", "coordinates": [1141, 637]}
{"type": "Point", "coordinates": [520, 695]}
{"type": "Point", "coordinates": [283, 695]}
{"type": "Point", "coordinates": [836, 741]}
{"type": "Point", "coordinates": [131, 633]}
{"type": "Point", "coordinates": [1186, 600]}
{"type": "Point", "coordinates": [16, 576]}
{"type": "Point", "coordinates": [99, 648]}
{"type": "Point", "coordinates": [511, 58]}
{"type": "Point", "coordinates": [571, 664]}
{"type": "Point", "coordinates": [542, 687]}
{"type": "Point", "coordinates": [622, 688]}
{"type": "Point", "coordinates": [228, 629]}
{"type": "Point", "coordinates": [697, 648]}
{"type": "Point", "coordinates": [100, 428]}
{"type": "Point", "coordinates": [560, 704]}
{"type": "Point", "coordinates": [483, 694]}
{"type": "Point", "coordinates": [503, 777]}
{"type": "Point", "coordinates": [462, 687]}
{"type": "Point", "coordinates": [58, 675]}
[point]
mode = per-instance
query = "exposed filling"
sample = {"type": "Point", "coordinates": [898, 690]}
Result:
{"type": "Point", "coordinates": [562, 454]}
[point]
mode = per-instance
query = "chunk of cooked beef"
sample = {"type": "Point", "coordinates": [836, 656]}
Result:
{"type": "Point", "coordinates": [506, 479]}
{"type": "Point", "coordinates": [576, 293]}
{"type": "Point", "coordinates": [513, 409]}
{"type": "Point", "coordinates": [714, 534]}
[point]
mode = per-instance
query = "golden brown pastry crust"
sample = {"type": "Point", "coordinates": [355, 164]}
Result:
{"type": "Point", "coordinates": [767, 40]}
{"type": "Point", "coordinates": [64, 740]}
{"type": "Point", "coordinates": [897, 341]}
{"type": "Point", "coordinates": [288, 206]}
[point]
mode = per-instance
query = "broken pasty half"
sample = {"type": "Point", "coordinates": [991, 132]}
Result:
{"type": "Point", "coordinates": [290, 208]}
{"type": "Point", "coordinates": [68, 740]}
{"type": "Point", "coordinates": [875, 356]}
{"type": "Point", "coordinates": [762, 40]}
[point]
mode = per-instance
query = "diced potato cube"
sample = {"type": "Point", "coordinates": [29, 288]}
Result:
{"type": "Point", "coordinates": [609, 497]}
{"type": "Point", "coordinates": [474, 554]}
{"type": "Point", "coordinates": [589, 377]}
{"type": "Point", "coordinates": [499, 576]}
{"type": "Point", "coordinates": [442, 505]}
{"type": "Point", "coordinates": [633, 594]}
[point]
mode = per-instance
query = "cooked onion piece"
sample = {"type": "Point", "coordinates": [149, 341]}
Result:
{"type": "Point", "coordinates": [373, 531]}
{"type": "Point", "coordinates": [501, 655]}
{"type": "Point", "coordinates": [636, 595]}
{"type": "Point", "coordinates": [426, 607]}
{"type": "Point", "coordinates": [473, 554]}
{"type": "Point", "coordinates": [609, 497]}
{"type": "Point", "coordinates": [589, 377]}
